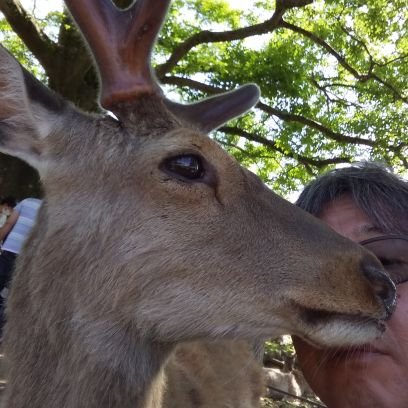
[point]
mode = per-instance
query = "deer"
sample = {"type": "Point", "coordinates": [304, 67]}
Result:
{"type": "Point", "coordinates": [151, 236]}
{"type": "Point", "coordinates": [213, 374]}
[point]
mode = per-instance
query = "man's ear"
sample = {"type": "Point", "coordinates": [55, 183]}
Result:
{"type": "Point", "coordinates": [28, 111]}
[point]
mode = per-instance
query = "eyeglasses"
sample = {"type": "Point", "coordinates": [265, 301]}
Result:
{"type": "Point", "coordinates": [392, 251]}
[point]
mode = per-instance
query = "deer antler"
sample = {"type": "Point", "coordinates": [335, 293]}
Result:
{"type": "Point", "coordinates": [121, 42]}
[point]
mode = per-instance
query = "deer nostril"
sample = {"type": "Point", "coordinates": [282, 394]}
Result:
{"type": "Point", "coordinates": [383, 287]}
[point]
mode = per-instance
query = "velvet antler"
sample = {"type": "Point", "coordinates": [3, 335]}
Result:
{"type": "Point", "coordinates": [121, 42]}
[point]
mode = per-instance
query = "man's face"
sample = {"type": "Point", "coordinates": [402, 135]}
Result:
{"type": "Point", "coordinates": [373, 376]}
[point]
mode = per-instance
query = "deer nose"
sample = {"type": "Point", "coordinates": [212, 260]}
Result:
{"type": "Point", "coordinates": [382, 286]}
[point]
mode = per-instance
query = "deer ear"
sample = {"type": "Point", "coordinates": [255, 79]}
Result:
{"type": "Point", "coordinates": [213, 112]}
{"type": "Point", "coordinates": [28, 111]}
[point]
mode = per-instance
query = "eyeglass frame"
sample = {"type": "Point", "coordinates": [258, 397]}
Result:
{"type": "Point", "coordinates": [384, 238]}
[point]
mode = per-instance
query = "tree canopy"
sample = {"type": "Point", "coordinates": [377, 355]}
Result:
{"type": "Point", "coordinates": [332, 76]}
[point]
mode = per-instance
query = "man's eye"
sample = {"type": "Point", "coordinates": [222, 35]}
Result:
{"type": "Point", "coordinates": [387, 262]}
{"type": "Point", "coordinates": [187, 166]}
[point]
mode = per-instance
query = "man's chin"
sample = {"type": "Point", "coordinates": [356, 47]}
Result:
{"type": "Point", "coordinates": [359, 383]}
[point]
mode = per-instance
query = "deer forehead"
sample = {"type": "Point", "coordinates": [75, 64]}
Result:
{"type": "Point", "coordinates": [104, 143]}
{"type": "Point", "coordinates": [186, 141]}
{"type": "Point", "coordinates": [122, 161]}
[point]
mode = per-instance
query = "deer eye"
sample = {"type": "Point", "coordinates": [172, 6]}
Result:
{"type": "Point", "coordinates": [186, 166]}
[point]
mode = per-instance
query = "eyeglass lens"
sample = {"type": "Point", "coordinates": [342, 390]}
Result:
{"type": "Point", "coordinates": [393, 253]}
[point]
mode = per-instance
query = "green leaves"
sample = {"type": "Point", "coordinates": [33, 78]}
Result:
{"type": "Point", "coordinates": [332, 81]}
{"type": "Point", "coordinates": [332, 75]}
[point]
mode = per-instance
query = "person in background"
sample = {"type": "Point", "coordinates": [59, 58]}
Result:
{"type": "Point", "coordinates": [369, 205]}
{"type": "Point", "coordinates": [7, 205]}
{"type": "Point", "coordinates": [14, 233]}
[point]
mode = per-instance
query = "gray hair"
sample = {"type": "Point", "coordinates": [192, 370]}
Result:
{"type": "Point", "coordinates": [380, 194]}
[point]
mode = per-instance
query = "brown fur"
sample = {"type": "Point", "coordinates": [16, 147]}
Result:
{"type": "Point", "coordinates": [207, 375]}
{"type": "Point", "coordinates": [128, 260]}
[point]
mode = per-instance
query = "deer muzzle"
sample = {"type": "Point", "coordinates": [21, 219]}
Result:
{"type": "Point", "coordinates": [382, 286]}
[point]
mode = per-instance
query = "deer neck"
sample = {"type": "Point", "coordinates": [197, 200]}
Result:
{"type": "Point", "coordinates": [74, 359]}
{"type": "Point", "coordinates": [126, 375]}
{"type": "Point", "coordinates": [71, 375]}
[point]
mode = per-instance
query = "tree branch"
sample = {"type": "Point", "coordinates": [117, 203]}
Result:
{"type": "Point", "coordinates": [191, 83]}
{"type": "Point", "coordinates": [306, 161]}
{"type": "Point", "coordinates": [331, 97]}
{"type": "Point", "coordinates": [329, 133]}
{"type": "Point", "coordinates": [342, 61]}
{"type": "Point", "coordinates": [399, 58]}
{"type": "Point", "coordinates": [205, 37]}
{"type": "Point", "coordinates": [288, 4]}
{"type": "Point", "coordinates": [67, 63]}
{"type": "Point", "coordinates": [26, 28]}
{"type": "Point", "coordinates": [286, 116]}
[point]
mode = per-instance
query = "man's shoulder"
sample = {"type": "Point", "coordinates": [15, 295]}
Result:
{"type": "Point", "coordinates": [30, 202]}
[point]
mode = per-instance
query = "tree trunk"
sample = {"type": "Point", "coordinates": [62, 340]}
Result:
{"type": "Point", "coordinates": [18, 179]}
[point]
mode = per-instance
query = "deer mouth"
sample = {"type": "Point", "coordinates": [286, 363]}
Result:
{"type": "Point", "coordinates": [325, 328]}
{"type": "Point", "coordinates": [317, 317]}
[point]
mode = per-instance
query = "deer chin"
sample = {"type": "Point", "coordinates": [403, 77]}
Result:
{"type": "Point", "coordinates": [330, 329]}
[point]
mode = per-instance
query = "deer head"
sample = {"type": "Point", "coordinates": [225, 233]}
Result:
{"type": "Point", "coordinates": [151, 235]}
